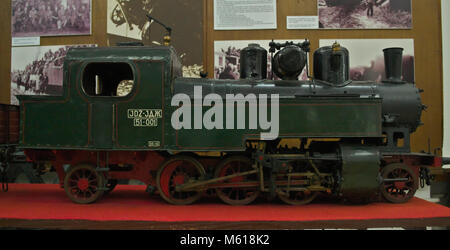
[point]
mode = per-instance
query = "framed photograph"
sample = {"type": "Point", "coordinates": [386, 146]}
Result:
{"type": "Point", "coordinates": [38, 70]}
{"type": "Point", "coordinates": [365, 14]}
{"type": "Point", "coordinates": [36, 18]}
{"type": "Point", "coordinates": [367, 57]}
{"type": "Point", "coordinates": [227, 56]}
{"type": "Point", "coordinates": [127, 21]}
{"type": "Point", "coordinates": [128, 18]}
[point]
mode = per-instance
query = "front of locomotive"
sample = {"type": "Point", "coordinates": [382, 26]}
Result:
{"type": "Point", "coordinates": [388, 155]}
{"type": "Point", "coordinates": [402, 106]}
{"type": "Point", "coordinates": [401, 171]}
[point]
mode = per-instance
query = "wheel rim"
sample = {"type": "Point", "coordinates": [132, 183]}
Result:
{"type": "Point", "coordinates": [398, 191]}
{"type": "Point", "coordinates": [296, 197]}
{"type": "Point", "coordinates": [237, 196]}
{"type": "Point", "coordinates": [82, 184]}
{"type": "Point", "coordinates": [178, 171]}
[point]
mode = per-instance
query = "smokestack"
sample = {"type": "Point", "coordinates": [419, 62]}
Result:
{"type": "Point", "coordinates": [393, 59]}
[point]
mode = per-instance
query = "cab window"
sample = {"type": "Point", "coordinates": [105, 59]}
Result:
{"type": "Point", "coordinates": [108, 79]}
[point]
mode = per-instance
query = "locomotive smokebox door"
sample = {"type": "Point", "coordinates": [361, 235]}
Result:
{"type": "Point", "coordinates": [360, 169]}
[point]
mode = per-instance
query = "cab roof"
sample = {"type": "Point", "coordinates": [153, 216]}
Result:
{"type": "Point", "coordinates": [122, 53]}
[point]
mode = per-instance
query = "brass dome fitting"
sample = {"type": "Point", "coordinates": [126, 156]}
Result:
{"type": "Point", "coordinates": [167, 40]}
{"type": "Point", "coordinates": [336, 47]}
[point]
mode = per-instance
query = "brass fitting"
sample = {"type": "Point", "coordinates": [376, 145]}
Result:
{"type": "Point", "coordinates": [167, 40]}
{"type": "Point", "coordinates": [336, 47]}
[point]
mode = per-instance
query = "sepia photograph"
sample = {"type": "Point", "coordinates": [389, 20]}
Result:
{"type": "Point", "coordinates": [36, 18]}
{"type": "Point", "coordinates": [128, 18]}
{"type": "Point", "coordinates": [367, 57]}
{"type": "Point", "coordinates": [38, 70]}
{"type": "Point", "coordinates": [365, 14]}
{"type": "Point", "coordinates": [227, 56]}
{"type": "Point", "coordinates": [127, 21]}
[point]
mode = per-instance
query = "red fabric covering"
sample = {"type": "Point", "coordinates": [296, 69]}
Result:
{"type": "Point", "coordinates": [131, 203]}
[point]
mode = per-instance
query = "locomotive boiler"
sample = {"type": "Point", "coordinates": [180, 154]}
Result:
{"type": "Point", "coordinates": [333, 136]}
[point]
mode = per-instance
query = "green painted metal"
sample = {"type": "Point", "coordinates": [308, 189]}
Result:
{"type": "Point", "coordinates": [142, 119]}
{"type": "Point", "coordinates": [101, 124]}
{"type": "Point", "coordinates": [360, 171]}
{"type": "Point", "coordinates": [299, 117]}
{"type": "Point", "coordinates": [76, 120]}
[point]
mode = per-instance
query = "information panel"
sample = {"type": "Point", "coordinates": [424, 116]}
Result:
{"type": "Point", "coordinates": [245, 14]}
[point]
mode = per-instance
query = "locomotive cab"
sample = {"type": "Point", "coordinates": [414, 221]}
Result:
{"type": "Point", "coordinates": [113, 98]}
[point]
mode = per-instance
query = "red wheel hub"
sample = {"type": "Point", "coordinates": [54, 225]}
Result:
{"type": "Point", "coordinates": [178, 180]}
{"type": "Point", "coordinates": [237, 179]}
{"type": "Point", "coordinates": [400, 185]}
{"type": "Point", "coordinates": [230, 170]}
{"type": "Point", "coordinates": [83, 184]}
{"type": "Point", "coordinates": [175, 172]}
{"type": "Point", "coordinates": [234, 194]}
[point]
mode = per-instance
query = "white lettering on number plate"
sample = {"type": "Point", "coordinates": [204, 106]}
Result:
{"type": "Point", "coordinates": [145, 117]}
{"type": "Point", "coordinates": [154, 144]}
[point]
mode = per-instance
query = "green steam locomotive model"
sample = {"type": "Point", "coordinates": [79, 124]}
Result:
{"type": "Point", "coordinates": [327, 135]}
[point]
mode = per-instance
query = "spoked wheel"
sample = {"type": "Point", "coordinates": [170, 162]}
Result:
{"type": "Point", "coordinates": [237, 195]}
{"type": "Point", "coordinates": [295, 197]}
{"type": "Point", "coordinates": [398, 191]}
{"type": "Point", "coordinates": [177, 171]}
{"type": "Point", "coordinates": [298, 197]}
{"type": "Point", "coordinates": [82, 184]}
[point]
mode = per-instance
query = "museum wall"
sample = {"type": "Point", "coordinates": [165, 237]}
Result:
{"type": "Point", "coordinates": [98, 37]}
{"type": "Point", "coordinates": [426, 33]}
{"type": "Point", "coordinates": [446, 73]}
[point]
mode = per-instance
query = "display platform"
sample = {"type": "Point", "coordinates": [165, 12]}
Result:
{"type": "Point", "coordinates": [130, 207]}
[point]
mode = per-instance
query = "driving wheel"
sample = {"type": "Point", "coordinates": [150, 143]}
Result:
{"type": "Point", "coordinates": [295, 194]}
{"type": "Point", "coordinates": [176, 171]}
{"type": "Point", "coordinates": [237, 195]}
